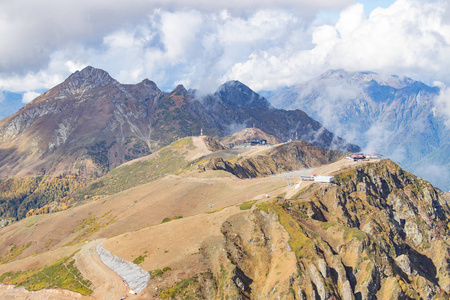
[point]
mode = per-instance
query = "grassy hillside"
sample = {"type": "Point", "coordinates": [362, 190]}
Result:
{"type": "Point", "coordinates": [166, 161]}
{"type": "Point", "coordinates": [27, 196]}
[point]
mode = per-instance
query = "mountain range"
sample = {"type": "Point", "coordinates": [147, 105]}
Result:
{"type": "Point", "coordinates": [124, 199]}
{"type": "Point", "coordinates": [91, 123]}
{"type": "Point", "coordinates": [391, 115]}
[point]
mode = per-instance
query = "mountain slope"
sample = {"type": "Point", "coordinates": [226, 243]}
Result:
{"type": "Point", "coordinates": [91, 123]}
{"type": "Point", "coordinates": [391, 115]}
{"type": "Point", "coordinates": [255, 111]}
{"type": "Point", "coordinates": [378, 232]}
{"type": "Point", "coordinates": [88, 124]}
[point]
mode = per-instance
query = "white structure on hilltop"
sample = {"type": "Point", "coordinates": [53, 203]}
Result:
{"type": "Point", "coordinates": [324, 179]}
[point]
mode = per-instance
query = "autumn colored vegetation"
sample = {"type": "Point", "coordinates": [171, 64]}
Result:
{"type": "Point", "coordinates": [26, 196]}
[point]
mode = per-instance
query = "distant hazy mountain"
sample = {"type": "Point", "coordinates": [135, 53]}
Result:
{"type": "Point", "coordinates": [91, 123]}
{"type": "Point", "coordinates": [391, 115]}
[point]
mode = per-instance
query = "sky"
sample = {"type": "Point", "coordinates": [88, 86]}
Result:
{"type": "Point", "coordinates": [266, 44]}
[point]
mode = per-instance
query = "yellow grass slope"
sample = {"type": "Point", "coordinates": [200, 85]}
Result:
{"type": "Point", "coordinates": [53, 236]}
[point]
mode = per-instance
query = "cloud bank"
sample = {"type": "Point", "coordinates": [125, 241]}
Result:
{"type": "Point", "coordinates": [201, 44]}
{"type": "Point", "coordinates": [407, 38]}
{"type": "Point", "coordinates": [442, 103]}
{"type": "Point", "coordinates": [29, 96]}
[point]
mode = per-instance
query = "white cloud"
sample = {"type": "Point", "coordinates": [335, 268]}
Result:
{"type": "Point", "coordinates": [192, 48]}
{"type": "Point", "coordinates": [442, 103]}
{"type": "Point", "coordinates": [408, 38]}
{"type": "Point", "coordinates": [32, 30]}
{"type": "Point", "coordinates": [437, 174]}
{"type": "Point", "coordinates": [29, 96]}
{"type": "Point", "coordinates": [377, 137]}
{"type": "Point", "coordinates": [202, 44]}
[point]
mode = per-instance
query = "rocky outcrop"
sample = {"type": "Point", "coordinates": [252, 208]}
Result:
{"type": "Point", "coordinates": [213, 145]}
{"type": "Point", "coordinates": [404, 264]}
{"type": "Point", "coordinates": [283, 158]}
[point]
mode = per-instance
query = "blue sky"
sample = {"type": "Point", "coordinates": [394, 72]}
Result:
{"type": "Point", "coordinates": [370, 5]}
{"type": "Point", "coordinates": [331, 16]}
{"type": "Point", "coordinates": [265, 44]}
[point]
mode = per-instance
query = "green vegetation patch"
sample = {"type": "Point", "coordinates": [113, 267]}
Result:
{"type": "Point", "coordinates": [247, 205]}
{"type": "Point", "coordinates": [216, 210]}
{"type": "Point", "coordinates": [189, 288]}
{"type": "Point", "coordinates": [88, 227]}
{"type": "Point", "coordinates": [165, 220]}
{"type": "Point", "coordinates": [61, 274]}
{"type": "Point", "coordinates": [345, 176]}
{"type": "Point", "coordinates": [158, 272]}
{"type": "Point", "coordinates": [264, 206]}
{"type": "Point", "coordinates": [139, 259]}
{"type": "Point", "coordinates": [351, 233]}
{"type": "Point", "coordinates": [299, 242]}
{"type": "Point", "coordinates": [182, 143]}
{"type": "Point", "coordinates": [185, 289]}
{"type": "Point", "coordinates": [13, 252]}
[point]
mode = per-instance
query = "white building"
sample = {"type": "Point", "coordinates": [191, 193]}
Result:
{"type": "Point", "coordinates": [323, 178]}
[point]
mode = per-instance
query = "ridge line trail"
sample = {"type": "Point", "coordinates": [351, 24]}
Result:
{"type": "Point", "coordinates": [201, 150]}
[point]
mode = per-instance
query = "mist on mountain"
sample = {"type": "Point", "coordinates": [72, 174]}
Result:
{"type": "Point", "coordinates": [392, 115]}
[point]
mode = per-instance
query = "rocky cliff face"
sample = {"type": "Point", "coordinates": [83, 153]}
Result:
{"type": "Point", "coordinates": [392, 115]}
{"type": "Point", "coordinates": [378, 233]}
{"type": "Point", "coordinates": [91, 123]}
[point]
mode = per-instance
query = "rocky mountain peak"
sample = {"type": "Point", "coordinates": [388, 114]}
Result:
{"type": "Point", "coordinates": [148, 84]}
{"type": "Point", "coordinates": [144, 89]}
{"type": "Point", "coordinates": [339, 76]}
{"type": "Point", "coordinates": [239, 95]}
{"type": "Point", "coordinates": [180, 92]}
{"type": "Point", "coordinates": [90, 77]}
{"type": "Point", "coordinates": [180, 89]}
